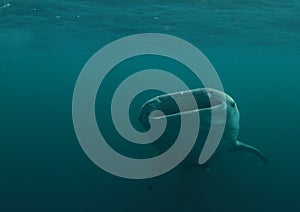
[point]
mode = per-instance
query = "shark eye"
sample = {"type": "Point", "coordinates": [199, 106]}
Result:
{"type": "Point", "coordinates": [233, 104]}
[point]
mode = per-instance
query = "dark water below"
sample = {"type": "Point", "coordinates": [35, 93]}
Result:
{"type": "Point", "coordinates": [253, 45]}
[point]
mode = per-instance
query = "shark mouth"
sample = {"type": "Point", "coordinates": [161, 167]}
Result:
{"type": "Point", "coordinates": [205, 99]}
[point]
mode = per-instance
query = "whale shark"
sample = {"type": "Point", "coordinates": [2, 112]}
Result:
{"type": "Point", "coordinates": [207, 100]}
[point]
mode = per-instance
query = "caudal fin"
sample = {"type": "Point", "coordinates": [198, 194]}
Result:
{"type": "Point", "coordinates": [240, 146]}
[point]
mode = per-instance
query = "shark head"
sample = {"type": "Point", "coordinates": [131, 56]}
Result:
{"type": "Point", "coordinates": [207, 100]}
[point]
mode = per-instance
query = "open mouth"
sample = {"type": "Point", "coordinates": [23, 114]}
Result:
{"type": "Point", "coordinates": [167, 104]}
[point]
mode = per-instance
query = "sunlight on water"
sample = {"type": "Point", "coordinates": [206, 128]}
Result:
{"type": "Point", "coordinates": [257, 22]}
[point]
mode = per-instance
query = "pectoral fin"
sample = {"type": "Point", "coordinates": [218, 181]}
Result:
{"type": "Point", "coordinates": [240, 146]}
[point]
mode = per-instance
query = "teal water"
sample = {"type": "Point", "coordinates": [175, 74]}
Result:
{"type": "Point", "coordinates": [253, 45]}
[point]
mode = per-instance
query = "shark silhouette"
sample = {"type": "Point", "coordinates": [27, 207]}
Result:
{"type": "Point", "coordinates": [207, 100]}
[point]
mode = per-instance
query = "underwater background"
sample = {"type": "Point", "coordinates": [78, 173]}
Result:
{"type": "Point", "coordinates": [254, 47]}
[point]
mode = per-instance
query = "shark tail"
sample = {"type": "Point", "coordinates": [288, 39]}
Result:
{"type": "Point", "coordinates": [240, 146]}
